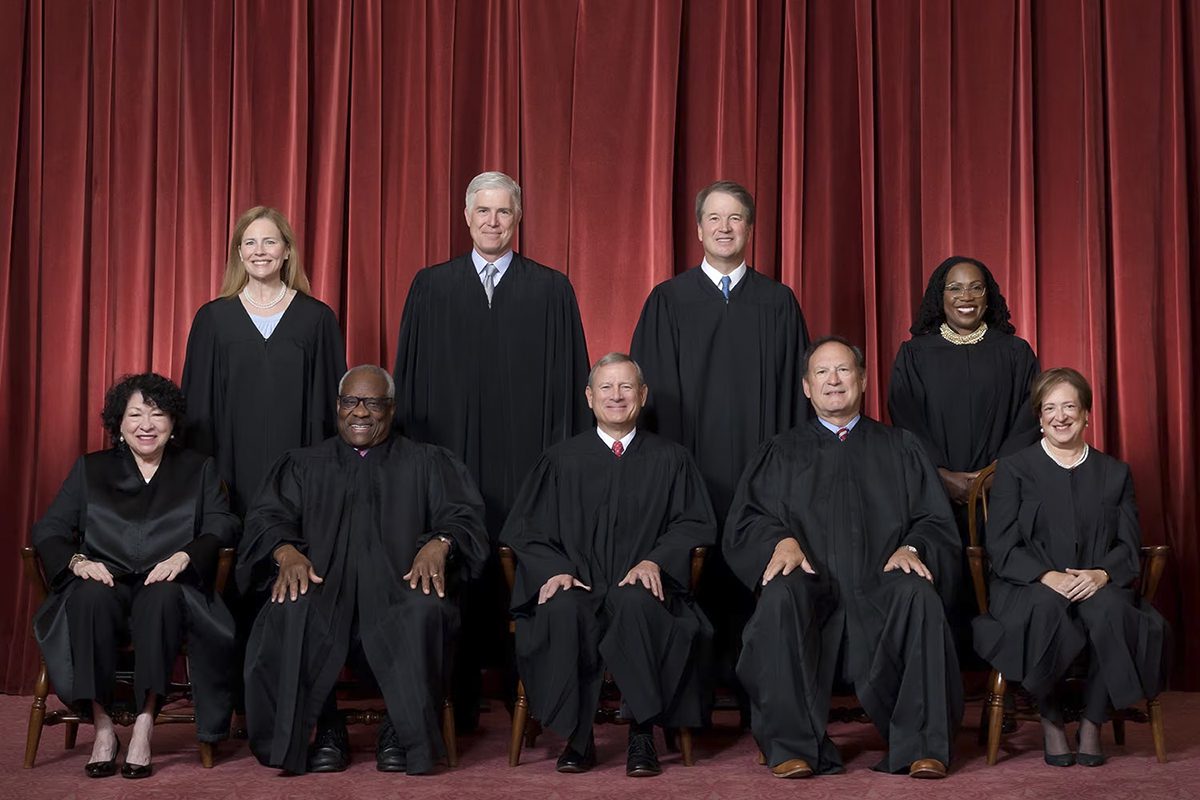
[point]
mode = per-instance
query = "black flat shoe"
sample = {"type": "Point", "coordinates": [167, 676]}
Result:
{"type": "Point", "coordinates": [1061, 760]}
{"type": "Point", "coordinates": [572, 761]}
{"type": "Point", "coordinates": [389, 755]}
{"type": "Point", "coordinates": [103, 769]}
{"type": "Point", "coordinates": [330, 750]}
{"type": "Point", "coordinates": [136, 771]}
{"type": "Point", "coordinates": [643, 759]}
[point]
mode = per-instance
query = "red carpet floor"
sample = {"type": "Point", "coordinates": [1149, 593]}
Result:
{"type": "Point", "coordinates": [725, 768]}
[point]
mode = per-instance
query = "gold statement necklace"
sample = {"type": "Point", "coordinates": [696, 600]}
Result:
{"type": "Point", "coordinates": [974, 336]}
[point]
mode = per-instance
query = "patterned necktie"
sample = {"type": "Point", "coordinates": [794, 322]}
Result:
{"type": "Point", "coordinates": [842, 433]}
{"type": "Point", "coordinates": [618, 448]}
{"type": "Point", "coordinates": [725, 281]}
{"type": "Point", "coordinates": [489, 282]}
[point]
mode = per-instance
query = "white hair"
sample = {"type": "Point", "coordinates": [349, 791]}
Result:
{"type": "Point", "coordinates": [617, 358]}
{"type": "Point", "coordinates": [380, 371]}
{"type": "Point", "coordinates": [494, 180]}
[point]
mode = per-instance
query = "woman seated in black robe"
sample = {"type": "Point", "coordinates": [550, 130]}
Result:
{"type": "Point", "coordinates": [130, 547]}
{"type": "Point", "coordinates": [1064, 544]}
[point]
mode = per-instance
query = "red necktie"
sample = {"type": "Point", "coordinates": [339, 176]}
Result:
{"type": "Point", "coordinates": [618, 448]}
{"type": "Point", "coordinates": [842, 433]}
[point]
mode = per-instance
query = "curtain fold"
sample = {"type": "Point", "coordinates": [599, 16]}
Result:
{"type": "Point", "coordinates": [1056, 140]}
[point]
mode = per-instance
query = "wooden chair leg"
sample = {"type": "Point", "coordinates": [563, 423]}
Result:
{"type": "Point", "coordinates": [995, 715]}
{"type": "Point", "coordinates": [37, 717]}
{"type": "Point", "coordinates": [1118, 731]}
{"type": "Point", "coordinates": [449, 734]}
{"type": "Point", "coordinates": [70, 733]}
{"type": "Point", "coordinates": [208, 754]}
{"type": "Point", "coordinates": [520, 717]}
{"type": "Point", "coordinates": [1154, 711]}
{"type": "Point", "coordinates": [685, 746]}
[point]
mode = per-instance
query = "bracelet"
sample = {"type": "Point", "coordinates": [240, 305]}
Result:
{"type": "Point", "coordinates": [76, 559]}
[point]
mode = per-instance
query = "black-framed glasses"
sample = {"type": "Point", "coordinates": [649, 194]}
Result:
{"type": "Point", "coordinates": [974, 290]}
{"type": "Point", "coordinates": [349, 402]}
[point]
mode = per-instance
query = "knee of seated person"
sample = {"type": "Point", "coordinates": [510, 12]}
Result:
{"type": "Point", "coordinates": [918, 590]}
{"type": "Point", "coordinates": [797, 588]}
{"type": "Point", "coordinates": [564, 601]}
{"type": "Point", "coordinates": [1104, 602]}
{"type": "Point", "coordinates": [160, 592]}
{"type": "Point", "coordinates": [93, 596]}
{"type": "Point", "coordinates": [428, 605]}
{"type": "Point", "coordinates": [631, 597]}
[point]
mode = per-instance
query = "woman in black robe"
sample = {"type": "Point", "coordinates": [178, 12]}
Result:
{"type": "Point", "coordinates": [130, 547]}
{"type": "Point", "coordinates": [1064, 544]}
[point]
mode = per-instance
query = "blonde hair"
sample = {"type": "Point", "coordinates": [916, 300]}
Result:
{"type": "Point", "coordinates": [292, 274]}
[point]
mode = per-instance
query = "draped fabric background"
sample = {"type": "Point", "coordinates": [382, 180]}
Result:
{"type": "Point", "coordinates": [1056, 140]}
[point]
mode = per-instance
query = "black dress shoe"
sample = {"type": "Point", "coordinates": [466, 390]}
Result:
{"type": "Point", "coordinates": [643, 760]}
{"type": "Point", "coordinates": [330, 750]}
{"type": "Point", "coordinates": [1088, 759]}
{"type": "Point", "coordinates": [103, 769]}
{"type": "Point", "coordinates": [389, 755]}
{"type": "Point", "coordinates": [575, 761]}
{"type": "Point", "coordinates": [1066, 759]}
{"type": "Point", "coordinates": [136, 771]}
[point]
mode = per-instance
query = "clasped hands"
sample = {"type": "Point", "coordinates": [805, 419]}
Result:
{"type": "Point", "coordinates": [1076, 584]}
{"type": "Point", "coordinates": [166, 570]}
{"type": "Point", "coordinates": [296, 571]}
{"type": "Point", "coordinates": [788, 557]}
{"type": "Point", "coordinates": [646, 573]}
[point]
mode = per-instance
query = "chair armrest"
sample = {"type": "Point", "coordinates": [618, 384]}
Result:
{"type": "Point", "coordinates": [977, 560]}
{"type": "Point", "coordinates": [698, 556]}
{"type": "Point", "coordinates": [1154, 561]}
{"type": "Point", "coordinates": [224, 564]}
{"type": "Point", "coordinates": [35, 573]}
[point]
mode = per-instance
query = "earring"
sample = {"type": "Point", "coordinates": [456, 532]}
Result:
{"type": "Point", "coordinates": [121, 439]}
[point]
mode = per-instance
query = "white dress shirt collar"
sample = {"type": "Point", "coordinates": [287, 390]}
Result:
{"type": "Point", "coordinates": [715, 275]}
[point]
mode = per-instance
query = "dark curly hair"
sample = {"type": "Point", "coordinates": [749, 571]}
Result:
{"type": "Point", "coordinates": [155, 389]}
{"type": "Point", "coordinates": [931, 313]}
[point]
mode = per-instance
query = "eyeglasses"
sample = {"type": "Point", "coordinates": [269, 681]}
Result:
{"type": "Point", "coordinates": [349, 402]}
{"type": "Point", "coordinates": [974, 290]}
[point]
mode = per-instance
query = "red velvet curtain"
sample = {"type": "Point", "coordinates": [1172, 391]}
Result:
{"type": "Point", "coordinates": [1057, 140]}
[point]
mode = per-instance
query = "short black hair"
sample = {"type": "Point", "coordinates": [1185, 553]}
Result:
{"type": "Point", "coordinates": [735, 190]}
{"type": "Point", "coordinates": [156, 390]}
{"type": "Point", "coordinates": [931, 313]}
{"type": "Point", "coordinates": [859, 358]}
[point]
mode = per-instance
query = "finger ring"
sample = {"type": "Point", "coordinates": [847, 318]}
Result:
{"type": "Point", "coordinates": [433, 575]}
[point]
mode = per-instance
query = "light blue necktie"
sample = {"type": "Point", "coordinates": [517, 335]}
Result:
{"type": "Point", "coordinates": [489, 281]}
{"type": "Point", "coordinates": [725, 281]}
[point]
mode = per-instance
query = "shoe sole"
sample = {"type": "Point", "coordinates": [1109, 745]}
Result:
{"type": "Point", "coordinates": [795, 773]}
{"type": "Point", "coordinates": [642, 773]}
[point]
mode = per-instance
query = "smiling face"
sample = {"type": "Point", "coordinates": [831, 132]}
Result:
{"type": "Point", "coordinates": [263, 250]}
{"type": "Point", "coordinates": [1063, 417]}
{"type": "Point", "coordinates": [145, 427]}
{"type": "Point", "coordinates": [361, 426]}
{"type": "Point", "coordinates": [492, 218]}
{"type": "Point", "coordinates": [964, 298]}
{"type": "Point", "coordinates": [724, 231]}
{"type": "Point", "coordinates": [834, 383]}
{"type": "Point", "coordinates": [616, 398]}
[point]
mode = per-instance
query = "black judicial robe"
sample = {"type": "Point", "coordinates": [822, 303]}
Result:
{"type": "Point", "coordinates": [968, 404]}
{"type": "Point", "coordinates": [723, 377]}
{"type": "Point", "coordinates": [1044, 517]}
{"type": "Point", "coordinates": [584, 512]}
{"type": "Point", "coordinates": [361, 521]}
{"type": "Point", "coordinates": [109, 513]}
{"type": "Point", "coordinates": [496, 386]}
{"type": "Point", "coordinates": [850, 505]}
{"type": "Point", "coordinates": [251, 399]}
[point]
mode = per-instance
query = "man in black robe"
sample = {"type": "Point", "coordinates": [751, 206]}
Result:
{"type": "Point", "coordinates": [721, 344]}
{"type": "Point", "coordinates": [489, 364]}
{"type": "Point", "coordinates": [361, 527]}
{"type": "Point", "coordinates": [603, 530]}
{"type": "Point", "coordinates": [843, 525]}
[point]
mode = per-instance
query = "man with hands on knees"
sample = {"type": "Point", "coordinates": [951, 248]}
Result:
{"type": "Point", "coordinates": [843, 525]}
{"type": "Point", "coordinates": [603, 530]}
{"type": "Point", "coordinates": [362, 540]}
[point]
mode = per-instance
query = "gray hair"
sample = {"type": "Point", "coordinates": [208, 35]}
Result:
{"type": "Point", "coordinates": [734, 190]}
{"type": "Point", "coordinates": [380, 371]}
{"type": "Point", "coordinates": [494, 180]}
{"type": "Point", "coordinates": [617, 358]}
{"type": "Point", "coordinates": [860, 360]}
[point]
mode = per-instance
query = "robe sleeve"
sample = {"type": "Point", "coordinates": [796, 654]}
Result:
{"type": "Point", "coordinates": [532, 531]}
{"type": "Point", "coordinates": [691, 523]}
{"type": "Point", "coordinates": [758, 519]}
{"type": "Point", "coordinates": [457, 511]}
{"type": "Point", "coordinates": [796, 365]}
{"type": "Point", "coordinates": [217, 526]}
{"type": "Point", "coordinates": [1011, 559]}
{"type": "Point", "coordinates": [329, 365]}
{"type": "Point", "coordinates": [273, 519]}
{"type": "Point", "coordinates": [655, 347]}
{"type": "Point", "coordinates": [570, 369]}
{"type": "Point", "coordinates": [931, 526]}
{"type": "Point", "coordinates": [199, 383]}
{"type": "Point", "coordinates": [56, 535]}
{"type": "Point", "coordinates": [1023, 428]}
{"type": "Point", "coordinates": [409, 417]}
{"type": "Point", "coordinates": [1123, 560]}
{"type": "Point", "coordinates": [906, 402]}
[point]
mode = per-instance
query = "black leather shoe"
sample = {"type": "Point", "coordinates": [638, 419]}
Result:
{"type": "Point", "coordinates": [103, 769]}
{"type": "Point", "coordinates": [136, 771]}
{"type": "Point", "coordinates": [389, 755]}
{"type": "Point", "coordinates": [330, 751]}
{"type": "Point", "coordinates": [574, 761]}
{"type": "Point", "coordinates": [643, 760]}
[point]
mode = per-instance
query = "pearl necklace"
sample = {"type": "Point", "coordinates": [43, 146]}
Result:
{"type": "Point", "coordinates": [951, 336]}
{"type": "Point", "coordinates": [245, 296]}
{"type": "Point", "coordinates": [1083, 456]}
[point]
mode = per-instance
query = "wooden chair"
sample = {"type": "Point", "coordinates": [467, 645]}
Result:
{"type": "Point", "coordinates": [1153, 562]}
{"type": "Point", "coordinates": [526, 730]}
{"type": "Point", "coordinates": [40, 717]}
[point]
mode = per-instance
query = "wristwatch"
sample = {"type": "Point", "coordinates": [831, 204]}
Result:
{"type": "Point", "coordinates": [75, 559]}
{"type": "Point", "coordinates": [913, 550]}
{"type": "Point", "coordinates": [441, 537]}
